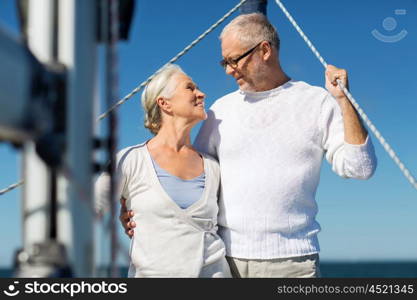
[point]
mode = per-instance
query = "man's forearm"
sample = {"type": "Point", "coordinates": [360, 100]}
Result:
{"type": "Point", "coordinates": [355, 133]}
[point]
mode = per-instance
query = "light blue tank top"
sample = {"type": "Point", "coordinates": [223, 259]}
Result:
{"type": "Point", "coordinates": [183, 192]}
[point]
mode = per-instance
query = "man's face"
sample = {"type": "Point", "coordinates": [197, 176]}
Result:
{"type": "Point", "coordinates": [248, 71]}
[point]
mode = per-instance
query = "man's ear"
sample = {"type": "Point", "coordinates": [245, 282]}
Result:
{"type": "Point", "coordinates": [266, 50]}
{"type": "Point", "coordinates": [163, 104]}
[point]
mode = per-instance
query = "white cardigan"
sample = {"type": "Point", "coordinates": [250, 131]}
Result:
{"type": "Point", "coordinates": [168, 241]}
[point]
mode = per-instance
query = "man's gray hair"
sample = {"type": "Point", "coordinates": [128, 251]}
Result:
{"type": "Point", "coordinates": [251, 29]}
{"type": "Point", "coordinates": [162, 85]}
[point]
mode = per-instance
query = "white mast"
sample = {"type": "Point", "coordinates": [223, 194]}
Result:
{"type": "Point", "coordinates": [57, 204]}
{"type": "Point", "coordinates": [37, 176]}
{"type": "Point", "coordinates": [77, 51]}
{"type": "Point", "coordinates": [50, 99]}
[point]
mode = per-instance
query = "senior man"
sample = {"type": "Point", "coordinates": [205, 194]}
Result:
{"type": "Point", "coordinates": [270, 137]}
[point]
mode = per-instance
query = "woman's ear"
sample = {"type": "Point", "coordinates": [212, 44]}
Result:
{"type": "Point", "coordinates": [163, 104]}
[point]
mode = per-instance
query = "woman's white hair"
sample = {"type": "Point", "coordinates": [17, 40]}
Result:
{"type": "Point", "coordinates": [162, 85]}
{"type": "Point", "coordinates": [251, 29]}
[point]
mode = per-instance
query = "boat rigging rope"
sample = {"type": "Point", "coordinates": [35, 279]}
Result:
{"type": "Point", "coordinates": [364, 117]}
{"type": "Point", "coordinates": [175, 58]}
{"type": "Point", "coordinates": [361, 113]}
{"type": "Point", "coordinates": [11, 187]}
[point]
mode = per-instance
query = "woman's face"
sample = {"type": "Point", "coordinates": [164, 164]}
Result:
{"type": "Point", "coordinates": [187, 102]}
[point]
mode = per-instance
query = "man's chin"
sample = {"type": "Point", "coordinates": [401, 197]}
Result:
{"type": "Point", "coordinates": [245, 87]}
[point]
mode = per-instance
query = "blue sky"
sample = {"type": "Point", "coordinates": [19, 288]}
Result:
{"type": "Point", "coordinates": [361, 220]}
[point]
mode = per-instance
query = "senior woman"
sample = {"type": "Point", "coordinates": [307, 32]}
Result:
{"type": "Point", "coordinates": [171, 188]}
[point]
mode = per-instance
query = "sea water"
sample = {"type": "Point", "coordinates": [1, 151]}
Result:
{"type": "Point", "coordinates": [330, 269]}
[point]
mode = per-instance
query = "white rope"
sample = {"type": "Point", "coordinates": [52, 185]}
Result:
{"type": "Point", "coordinates": [11, 187]}
{"type": "Point", "coordinates": [364, 117]}
{"type": "Point", "coordinates": [175, 58]}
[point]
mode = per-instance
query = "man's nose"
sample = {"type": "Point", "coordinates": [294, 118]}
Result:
{"type": "Point", "coordinates": [229, 70]}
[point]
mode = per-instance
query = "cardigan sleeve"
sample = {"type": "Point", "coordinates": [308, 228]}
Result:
{"type": "Point", "coordinates": [347, 160]}
{"type": "Point", "coordinates": [102, 185]}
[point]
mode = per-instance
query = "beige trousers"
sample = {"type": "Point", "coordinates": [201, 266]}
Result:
{"type": "Point", "coordinates": [292, 267]}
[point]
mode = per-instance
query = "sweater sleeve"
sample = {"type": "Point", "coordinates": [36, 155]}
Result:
{"type": "Point", "coordinates": [347, 160]}
{"type": "Point", "coordinates": [102, 185]}
{"type": "Point", "coordinates": [208, 137]}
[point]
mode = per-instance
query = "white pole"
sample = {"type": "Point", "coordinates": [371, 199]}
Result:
{"type": "Point", "coordinates": [36, 191]}
{"type": "Point", "coordinates": [77, 51]}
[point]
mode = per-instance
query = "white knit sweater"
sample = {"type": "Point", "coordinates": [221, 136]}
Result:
{"type": "Point", "coordinates": [270, 147]}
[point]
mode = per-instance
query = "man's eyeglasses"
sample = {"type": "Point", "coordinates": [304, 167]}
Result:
{"type": "Point", "coordinates": [233, 62]}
